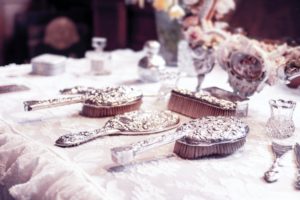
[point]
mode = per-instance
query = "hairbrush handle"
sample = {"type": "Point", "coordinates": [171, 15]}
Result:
{"type": "Point", "coordinates": [42, 104]}
{"type": "Point", "coordinates": [297, 182]}
{"type": "Point", "coordinates": [75, 139]}
{"type": "Point", "coordinates": [125, 154]}
{"type": "Point", "coordinates": [297, 154]}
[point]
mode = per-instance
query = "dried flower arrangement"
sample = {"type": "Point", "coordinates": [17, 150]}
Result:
{"type": "Point", "coordinates": [249, 63]}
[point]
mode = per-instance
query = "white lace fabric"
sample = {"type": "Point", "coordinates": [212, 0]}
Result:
{"type": "Point", "coordinates": [31, 167]}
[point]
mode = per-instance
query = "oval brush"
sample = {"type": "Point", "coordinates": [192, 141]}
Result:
{"type": "Point", "coordinates": [194, 139]}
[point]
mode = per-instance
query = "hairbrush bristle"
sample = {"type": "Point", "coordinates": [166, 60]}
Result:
{"type": "Point", "coordinates": [94, 111]}
{"type": "Point", "coordinates": [187, 151]}
{"type": "Point", "coordinates": [195, 108]}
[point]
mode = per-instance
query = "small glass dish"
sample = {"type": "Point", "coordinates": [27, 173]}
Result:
{"type": "Point", "coordinates": [168, 80]}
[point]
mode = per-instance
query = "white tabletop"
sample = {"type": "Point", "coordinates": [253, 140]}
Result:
{"type": "Point", "coordinates": [31, 167]}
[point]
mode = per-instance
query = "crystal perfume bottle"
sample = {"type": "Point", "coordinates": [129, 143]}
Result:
{"type": "Point", "coordinates": [99, 59]}
{"type": "Point", "coordinates": [280, 125]}
{"type": "Point", "coordinates": [152, 63]}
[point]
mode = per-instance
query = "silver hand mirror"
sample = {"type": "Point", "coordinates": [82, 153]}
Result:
{"type": "Point", "coordinates": [131, 123]}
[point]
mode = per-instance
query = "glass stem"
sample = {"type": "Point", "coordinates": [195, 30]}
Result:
{"type": "Point", "coordinates": [200, 81]}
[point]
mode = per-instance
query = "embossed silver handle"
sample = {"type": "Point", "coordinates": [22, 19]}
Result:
{"type": "Point", "coordinates": [297, 183]}
{"type": "Point", "coordinates": [75, 139]}
{"type": "Point", "coordinates": [125, 154]}
{"type": "Point", "coordinates": [42, 104]}
{"type": "Point", "coordinates": [77, 90]}
{"type": "Point", "coordinates": [272, 174]}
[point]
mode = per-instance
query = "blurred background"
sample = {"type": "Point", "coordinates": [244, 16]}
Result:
{"type": "Point", "coordinates": [32, 27]}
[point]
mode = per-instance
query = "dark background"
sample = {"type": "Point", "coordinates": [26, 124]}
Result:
{"type": "Point", "coordinates": [23, 23]}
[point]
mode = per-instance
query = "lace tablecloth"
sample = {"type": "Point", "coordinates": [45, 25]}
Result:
{"type": "Point", "coordinates": [31, 167]}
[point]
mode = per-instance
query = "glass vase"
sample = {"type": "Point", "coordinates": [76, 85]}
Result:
{"type": "Point", "coordinates": [169, 34]}
{"type": "Point", "coordinates": [203, 61]}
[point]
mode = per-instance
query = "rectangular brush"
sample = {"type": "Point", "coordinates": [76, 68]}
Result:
{"type": "Point", "coordinates": [197, 105]}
